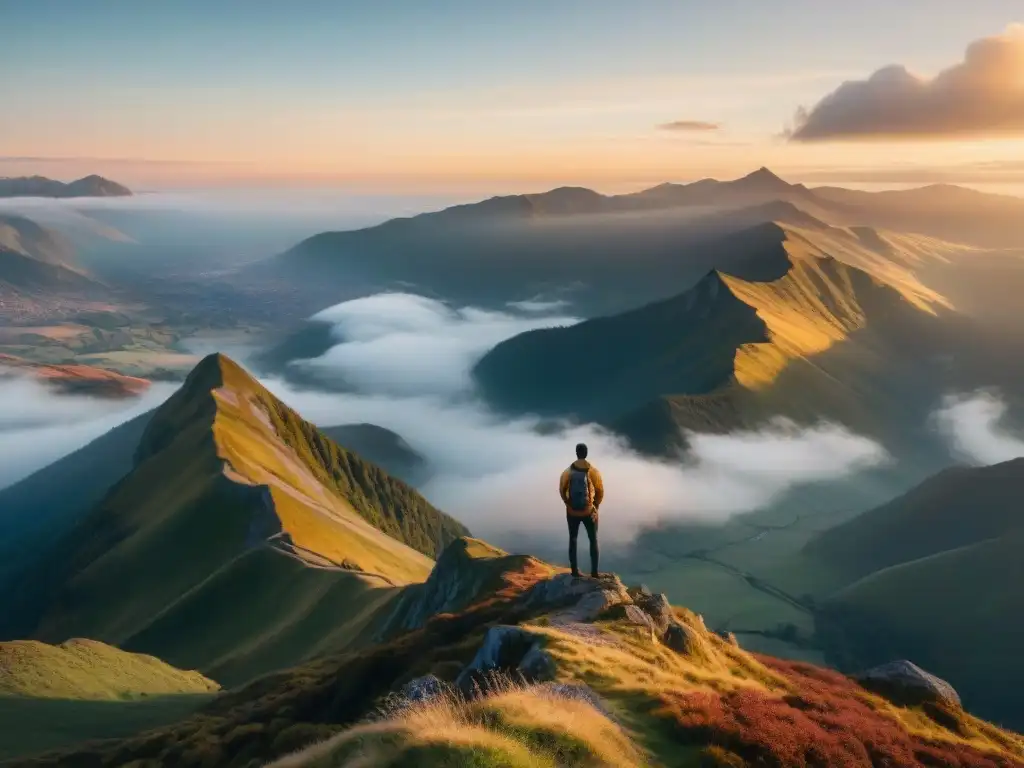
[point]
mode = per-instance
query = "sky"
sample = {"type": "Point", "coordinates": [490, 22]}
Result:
{"type": "Point", "coordinates": [457, 93]}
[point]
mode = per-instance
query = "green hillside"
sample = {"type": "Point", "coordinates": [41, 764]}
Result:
{"type": "Point", "coordinates": [958, 507]}
{"type": "Point", "coordinates": [86, 669]}
{"type": "Point", "coordinates": [52, 696]}
{"type": "Point", "coordinates": [941, 572]}
{"type": "Point", "coordinates": [239, 516]}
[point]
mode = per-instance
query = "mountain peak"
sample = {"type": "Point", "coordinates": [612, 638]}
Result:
{"type": "Point", "coordinates": [193, 406]}
{"type": "Point", "coordinates": [763, 178]}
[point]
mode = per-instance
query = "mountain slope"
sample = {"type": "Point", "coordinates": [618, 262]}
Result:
{"type": "Point", "coordinates": [608, 675]}
{"type": "Point", "coordinates": [38, 510]}
{"type": "Point", "coordinates": [945, 211]}
{"type": "Point", "coordinates": [936, 576]}
{"type": "Point", "coordinates": [384, 448]}
{"type": "Point", "coordinates": [225, 476]}
{"type": "Point", "coordinates": [927, 520]}
{"type": "Point", "coordinates": [26, 275]}
{"type": "Point", "coordinates": [40, 186]}
{"type": "Point", "coordinates": [798, 311]}
{"type": "Point", "coordinates": [85, 669]}
{"type": "Point", "coordinates": [21, 234]}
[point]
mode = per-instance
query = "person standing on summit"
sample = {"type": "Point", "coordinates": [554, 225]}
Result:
{"type": "Point", "coordinates": [582, 492]}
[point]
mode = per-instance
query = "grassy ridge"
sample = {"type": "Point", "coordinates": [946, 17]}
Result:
{"type": "Point", "coordinates": [243, 519]}
{"type": "Point", "coordinates": [86, 669]}
{"type": "Point", "coordinates": [709, 703]}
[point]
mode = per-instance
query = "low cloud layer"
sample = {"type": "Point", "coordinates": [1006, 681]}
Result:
{"type": "Point", "coordinates": [974, 426]}
{"type": "Point", "coordinates": [38, 426]}
{"type": "Point", "coordinates": [981, 96]}
{"type": "Point", "coordinates": [698, 126]}
{"type": "Point", "coordinates": [403, 344]}
{"type": "Point", "coordinates": [500, 475]}
{"type": "Point", "coordinates": [411, 357]}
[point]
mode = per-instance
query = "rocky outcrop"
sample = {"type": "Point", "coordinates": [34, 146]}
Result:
{"type": "Point", "coordinates": [423, 689]}
{"type": "Point", "coordinates": [466, 569]}
{"type": "Point", "coordinates": [905, 683]}
{"type": "Point", "coordinates": [577, 600]}
{"type": "Point", "coordinates": [513, 651]}
{"type": "Point", "coordinates": [680, 638]}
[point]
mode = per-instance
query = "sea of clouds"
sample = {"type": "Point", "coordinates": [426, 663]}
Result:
{"type": "Point", "coordinates": [409, 359]}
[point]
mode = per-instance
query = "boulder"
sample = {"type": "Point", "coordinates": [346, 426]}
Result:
{"type": "Point", "coordinates": [579, 600]}
{"type": "Point", "coordinates": [423, 689]}
{"type": "Point", "coordinates": [729, 637]}
{"type": "Point", "coordinates": [506, 649]}
{"type": "Point", "coordinates": [659, 609]}
{"type": "Point", "coordinates": [680, 638]}
{"type": "Point", "coordinates": [905, 683]}
{"type": "Point", "coordinates": [631, 614]}
{"type": "Point", "coordinates": [537, 665]}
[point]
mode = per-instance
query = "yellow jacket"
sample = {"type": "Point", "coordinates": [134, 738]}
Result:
{"type": "Point", "coordinates": [595, 488]}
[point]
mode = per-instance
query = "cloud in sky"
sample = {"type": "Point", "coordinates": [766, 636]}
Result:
{"type": "Point", "coordinates": [690, 125]}
{"type": "Point", "coordinates": [981, 96]}
{"type": "Point", "coordinates": [973, 425]}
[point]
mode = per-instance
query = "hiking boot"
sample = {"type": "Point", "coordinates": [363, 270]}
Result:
{"type": "Point", "coordinates": [595, 575]}
{"type": "Point", "coordinates": [577, 575]}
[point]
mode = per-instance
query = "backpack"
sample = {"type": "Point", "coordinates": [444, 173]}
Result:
{"type": "Point", "coordinates": [579, 488]}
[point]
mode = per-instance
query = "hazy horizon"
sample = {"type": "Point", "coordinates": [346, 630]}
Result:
{"type": "Point", "coordinates": [592, 94]}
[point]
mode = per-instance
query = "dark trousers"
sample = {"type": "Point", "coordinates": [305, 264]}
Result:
{"type": "Point", "coordinates": [574, 529]}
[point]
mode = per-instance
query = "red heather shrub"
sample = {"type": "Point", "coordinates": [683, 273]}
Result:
{"type": "Point", "coordinates": [829, 722]}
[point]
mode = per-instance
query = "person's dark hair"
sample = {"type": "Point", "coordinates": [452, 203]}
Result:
{"type": "Point", "coordinates": [581, 450]}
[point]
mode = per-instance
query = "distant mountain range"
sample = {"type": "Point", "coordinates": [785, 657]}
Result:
{"type": "Point", "coordinates": [40, 186]}
{"type": "Point", "coordinates": [570, 242]}
{"type": "Point", "coordinates": [936, 575]}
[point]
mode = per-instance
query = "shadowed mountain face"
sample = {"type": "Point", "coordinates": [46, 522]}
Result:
{"type": "Point", "coordinates": [806, 323]}
{"type": "Point", "coordinates": [935, 575]}
{"type": "Point", "coordinates": [382, 447]}
{"type": "Point", "coordinates": [40, 186]}
{"type": "Point", "coordinates": [234, 513]}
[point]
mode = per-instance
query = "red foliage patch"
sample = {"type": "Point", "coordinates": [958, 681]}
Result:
{"type": "Point", "coordinates": [828, 723]}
